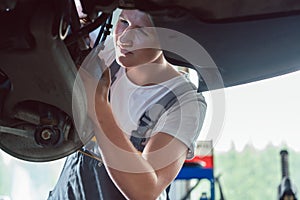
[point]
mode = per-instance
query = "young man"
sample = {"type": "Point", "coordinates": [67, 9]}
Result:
{"type": "Point", "coordinates": [145, 76]}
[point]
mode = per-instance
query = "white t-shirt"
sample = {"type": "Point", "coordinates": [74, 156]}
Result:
{"type": "Point", "coordinates": [183, 120]}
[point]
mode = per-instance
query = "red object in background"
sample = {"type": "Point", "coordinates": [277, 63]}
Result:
{"type": "Point", "coordinates": [204, 161]}
{"type": "Point", "coordinates": [203, 155]}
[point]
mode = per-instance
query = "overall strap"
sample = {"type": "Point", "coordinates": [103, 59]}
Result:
{"type": "Point", "coordinates": [151, 116]}
{"type": "Point", "coordinates": [114, 68]}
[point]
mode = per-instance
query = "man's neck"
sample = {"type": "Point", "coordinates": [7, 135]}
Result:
{"type": "Point", "coordinates": [151, 74]}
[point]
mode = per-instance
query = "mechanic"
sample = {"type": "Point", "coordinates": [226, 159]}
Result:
{"type": "Point", "coordinates": [144, 77]}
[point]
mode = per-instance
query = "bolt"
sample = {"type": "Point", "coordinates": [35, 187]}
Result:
{"type": "Point", "coordinates": [46, 134]}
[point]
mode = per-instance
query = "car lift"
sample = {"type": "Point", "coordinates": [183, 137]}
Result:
{"type": "Point", "coordinates": [200, 167]}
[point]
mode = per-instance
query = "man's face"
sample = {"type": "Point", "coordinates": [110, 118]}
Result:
{"type": "Point", "coordinates": [135, 41]}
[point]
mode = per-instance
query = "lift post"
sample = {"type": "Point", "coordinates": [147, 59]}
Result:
{"type": "Point", "coordinates": [201, 166]}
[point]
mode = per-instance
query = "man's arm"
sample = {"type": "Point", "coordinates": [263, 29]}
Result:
{"type": "Point", "coordinates": [138, 176]}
